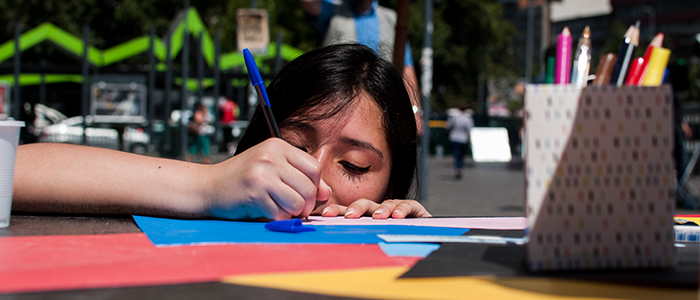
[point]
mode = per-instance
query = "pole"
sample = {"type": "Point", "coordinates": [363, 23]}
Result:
{"type": "Point", "coordinates": [544, 34]}
{"type": "Point", "coordinates": [151, 82]}
{"type": "Point", "coordinates": [426, 87]}
{"type": "Point", "coordinates": [15, 113]}
{"type": "Point", "coordinates": [400, 35]}
{"type": "Point", "coordinates": [217, 83]}
{"type": "Point", "coordinates": [86, 82]}
{"type": "Point", "coordinates": [42, 89]}
{"type": "Point", "coordinates": [240, 100]}
{"type": "Point", "coordinates": [529, 43]}
{"type": "Point", "coordinates": [42, 83]}
{"type": "Point", "coordinates": [278, 56]}
{"type": "Point", "coordinates": [185, 70]}
{"type": "Point", "coordinates": [167, 145]}
{"type": "Point", "coordinates": [480, 93]}
{"type": "Point", "coordinates": [200, 69]}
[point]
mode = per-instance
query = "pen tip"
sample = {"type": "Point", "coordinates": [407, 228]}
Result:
{"type": "Point", "coordinates": [587, 31]}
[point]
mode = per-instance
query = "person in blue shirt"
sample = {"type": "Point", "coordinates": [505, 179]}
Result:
{"type": "Point", "coordinates": [364, 22]}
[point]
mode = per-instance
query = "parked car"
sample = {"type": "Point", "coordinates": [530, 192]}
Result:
{"type": "Point", "coordinates": [70, 131]}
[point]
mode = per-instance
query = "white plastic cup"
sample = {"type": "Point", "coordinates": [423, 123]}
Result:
{"type": "Point", "coordinates": [9, 138]}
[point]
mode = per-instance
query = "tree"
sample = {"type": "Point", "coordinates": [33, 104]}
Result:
{"type": "Point", "coordinates": [469, 37]}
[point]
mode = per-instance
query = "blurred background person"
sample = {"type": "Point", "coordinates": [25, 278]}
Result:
{"type": "Point", "coordinates": [197, 129]}
{"type": "Point", "coordinates": [229, 111]}
{"type": "Point", "coordinates": [459, 124]}
{"type": "Point", "coordinates": [367, 23]}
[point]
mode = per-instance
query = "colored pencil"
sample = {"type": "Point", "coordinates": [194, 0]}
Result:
{"type": "Point", "coordinates": [636, 70]}
{"type": "Point", "coordinates": [604, 70]}
{"type": "Point", "coordinates": [656, 67]}
{"type": "Point", "coordinates": [549, 71]}
{"type": "Point", "coordinates": [624, 56]}
{"type": "Point", "coordinates": [563, 67]}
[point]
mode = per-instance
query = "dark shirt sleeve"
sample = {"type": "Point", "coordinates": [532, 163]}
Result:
{"type": "Point", "coordinates": [323, 20]}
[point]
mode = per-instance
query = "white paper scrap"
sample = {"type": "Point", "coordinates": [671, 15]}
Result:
{"type": "Point", "coordinates": [477, 239]}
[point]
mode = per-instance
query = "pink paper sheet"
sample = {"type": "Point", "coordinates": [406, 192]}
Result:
{"type": "Point", "coordinates": [502, 223]}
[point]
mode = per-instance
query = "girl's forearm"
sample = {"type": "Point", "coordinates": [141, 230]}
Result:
{"type": "Point", "coordinates": [59, 178]}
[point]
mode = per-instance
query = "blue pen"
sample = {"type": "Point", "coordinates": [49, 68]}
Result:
{"type": "Point", "coordinates": [257, 82]}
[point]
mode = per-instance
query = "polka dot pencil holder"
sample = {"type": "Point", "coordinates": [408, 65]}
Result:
{"type": "Point", "coordinates": [600, 177]}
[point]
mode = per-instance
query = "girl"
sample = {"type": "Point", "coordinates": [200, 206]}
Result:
{"type": "Point", "coordinates": [348, 148]}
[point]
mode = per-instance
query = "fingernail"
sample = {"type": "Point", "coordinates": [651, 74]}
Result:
{"type": "Point", "coordinates": [396, 212]}
{"type": "Point", "coordinates": [326, 210]}
{"type": "Point", "coordinates": [378, 211]}
{"type": "Point", "coordinates": [349, 211]}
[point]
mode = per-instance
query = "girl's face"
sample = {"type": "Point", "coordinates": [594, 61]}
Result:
{"type": "Point", "coordinates": [352, 149]}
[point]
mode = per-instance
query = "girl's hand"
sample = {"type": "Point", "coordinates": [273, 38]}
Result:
{"type": "Point", "coordinates": [272, 180]}
{"type": "Point", "coordinates": [397, 209]}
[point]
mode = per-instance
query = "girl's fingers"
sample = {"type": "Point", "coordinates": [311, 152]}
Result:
{"type": "Point", "coordinates": [409, 209]}
{"type": "Point", "coordinates": [359, 208]}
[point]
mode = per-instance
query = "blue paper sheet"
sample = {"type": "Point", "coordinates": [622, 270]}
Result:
{"type": "Point", "coordinates": [171, 232]}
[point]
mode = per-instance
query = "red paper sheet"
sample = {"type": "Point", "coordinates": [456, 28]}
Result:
{"type": "Point", "coordinates": [43, 263]}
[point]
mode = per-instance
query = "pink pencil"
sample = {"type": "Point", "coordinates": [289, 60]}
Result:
{"type": "Point", "coordinates": [563, 67]}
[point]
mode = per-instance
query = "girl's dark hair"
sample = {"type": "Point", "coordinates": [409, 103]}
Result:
{"type": "Point", "coordinates": [321, 83]}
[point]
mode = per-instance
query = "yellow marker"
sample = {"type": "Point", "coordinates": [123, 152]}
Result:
{"type": "Point", "coordinates": [656, 68]}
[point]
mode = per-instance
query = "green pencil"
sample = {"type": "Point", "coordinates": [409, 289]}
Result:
{"type": "Point", "coordinates": [549, 70]}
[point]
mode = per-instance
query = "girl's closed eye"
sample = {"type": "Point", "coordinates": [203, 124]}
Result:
{"type": "Point", "coordinates": [355, 169]}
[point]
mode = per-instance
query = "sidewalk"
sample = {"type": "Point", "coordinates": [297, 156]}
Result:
{"type": "Point", "coordinates": [485, 189]}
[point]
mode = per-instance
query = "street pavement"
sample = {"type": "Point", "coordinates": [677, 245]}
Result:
{"type": "Point", "coordinates": [485, 189]}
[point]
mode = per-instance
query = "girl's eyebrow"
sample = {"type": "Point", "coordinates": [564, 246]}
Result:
{"type": "Point", "coordinates": [361, 144]}
{"type": "Point", "coordinates": [302, 126]}
{"type": "Point", "coordinates": [345, 140]}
